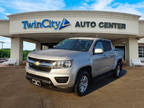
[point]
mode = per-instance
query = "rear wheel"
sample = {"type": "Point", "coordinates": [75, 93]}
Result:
{"type": "Point", "coordinates": [118, 70]}
{"type": "Point", "coordinates": [82, 83]}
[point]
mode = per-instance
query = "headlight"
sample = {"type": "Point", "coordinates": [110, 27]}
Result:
{"type": "Point", "coordinates": [62, 64]}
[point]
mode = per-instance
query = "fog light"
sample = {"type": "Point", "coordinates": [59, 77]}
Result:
{"type": "Point", "coordinates": [61, 79]}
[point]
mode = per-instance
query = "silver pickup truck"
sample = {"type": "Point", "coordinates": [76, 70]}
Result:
{"type": "Point", "coordinates": [73, 63]}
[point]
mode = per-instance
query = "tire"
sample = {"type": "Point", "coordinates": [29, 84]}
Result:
{"type": "Point", "coordinates": [118, 70]}
{"type": "Point", "coordinates": [82, 83]}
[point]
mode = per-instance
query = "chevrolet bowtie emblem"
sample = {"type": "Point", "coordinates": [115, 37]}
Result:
{"type": "Point", "coordinates": [37, 63]}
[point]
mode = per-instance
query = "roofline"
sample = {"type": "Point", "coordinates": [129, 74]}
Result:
{"type": "Point", "coordinates": [88, 38]}
{"type": "Point", "coordinates": [141, 20]}
{"type": "Point", "coordinates": [24, 13]}
{"type": "Point", "coordinates": [4, 20]}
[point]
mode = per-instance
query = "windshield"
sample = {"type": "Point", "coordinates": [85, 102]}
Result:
{"type": "Point", "coordinates": [75, 44]}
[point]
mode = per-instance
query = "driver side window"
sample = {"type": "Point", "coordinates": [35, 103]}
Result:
{"type": "Point", "coordinates": [98, 45]}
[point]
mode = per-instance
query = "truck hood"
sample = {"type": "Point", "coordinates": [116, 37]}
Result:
{"type": "Point", "coordinates": [56, 54]}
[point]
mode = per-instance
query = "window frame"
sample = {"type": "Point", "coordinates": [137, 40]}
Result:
{"type": "Point", "coordinates": [104, 45]}
{"type": "Point", "coordinates": [141, 51]}
{"type": "Point", "coordinates": [95, 45]}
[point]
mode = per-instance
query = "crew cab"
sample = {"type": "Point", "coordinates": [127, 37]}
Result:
{"type": "Point", "coordinates": [73, 63]}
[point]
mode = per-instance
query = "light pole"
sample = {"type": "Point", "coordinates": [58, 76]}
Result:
{"type": "Point", "coordinates": [2, 44]}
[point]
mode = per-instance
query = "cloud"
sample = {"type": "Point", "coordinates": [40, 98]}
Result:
{"type": "Point", "coordinates": [7, 44]}
{"type": "Point", "coordinates": [30, 5]}
{"type": "Point", "coordinates": [16, 6]}
{"type": "Point", "coordinates": [7, 41]}
{"type": "Point", "coordinates": [1, 9]}
{"type": "Point", "coordinates": [3, 13]}
{"type": "Point", "coordinates": [28, 46]}
{"type": "Point", "coordinates": [101, 4]}
{"type": "Point", "coordinates": [110, 5]}
{"type": "Point", "coordinates": [126, 8]}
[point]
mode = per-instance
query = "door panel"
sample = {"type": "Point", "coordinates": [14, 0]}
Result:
{"type": "Point", "coordinates": [98, 64]}
{"type": "Point", "coordinates": [110, 56]}
{"type": "Point", "coordinates": [109, 60]}
{"type": "Point", "coordinates": [98, 60]}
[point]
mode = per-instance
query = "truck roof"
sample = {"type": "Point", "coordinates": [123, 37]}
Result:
{"type": "Point", "coordinates": [88, 38]}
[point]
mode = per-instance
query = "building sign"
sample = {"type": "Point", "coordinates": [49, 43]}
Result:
{"type": "Point", "coordinates": [46, 23]}
{"type": "Point", "coordinates": [93, 24]}
{"type": "Point", "coordinates": [58, 25]}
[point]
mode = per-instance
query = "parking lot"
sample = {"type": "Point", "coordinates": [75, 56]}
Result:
{"type": "Point", "coordinates": [124, 92]}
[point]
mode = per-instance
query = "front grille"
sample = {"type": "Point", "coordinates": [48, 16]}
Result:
{"type": "Point", "coordinates": [40, 68]}
{"type": "Point", "coordinates": [40, 60]}
{"type": "Point", "coordinates": [45, 68]}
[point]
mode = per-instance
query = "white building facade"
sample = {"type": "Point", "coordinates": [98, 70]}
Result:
{"type": "Point", "coordinates": [49, 27]}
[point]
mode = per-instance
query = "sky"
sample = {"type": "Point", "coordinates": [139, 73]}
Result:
{"type": "Point", "coordinates": [8, 7]}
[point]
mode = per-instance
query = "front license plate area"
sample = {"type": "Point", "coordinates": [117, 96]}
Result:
{"type": "Point", "coordinates": [36, 82]}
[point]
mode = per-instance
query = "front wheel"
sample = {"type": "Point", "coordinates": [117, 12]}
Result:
{"type": "Point", "coordinates": [82, 83]}
{"type": "Point", "coordinates": [118, 70]}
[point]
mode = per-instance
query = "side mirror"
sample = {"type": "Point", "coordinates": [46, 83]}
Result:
{"type": "Point", "coordinates": [98, 51]}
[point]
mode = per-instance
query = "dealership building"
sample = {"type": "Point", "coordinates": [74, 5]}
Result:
{"type": "Point", "coordinates": [47, 28]}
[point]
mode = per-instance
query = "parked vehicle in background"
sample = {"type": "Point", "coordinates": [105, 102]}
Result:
{"type": "Point", "coordinates": [73, 63]}
{"type": "Point", "coordinates": [3, 60]}
{"type": "Point", "coordinates": [10, 61]}
{"type": "Point", "coordinates": [137, 62]}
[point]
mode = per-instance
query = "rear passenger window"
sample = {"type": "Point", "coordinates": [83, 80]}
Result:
{"type": "Point", "coordinates": [107, 45]}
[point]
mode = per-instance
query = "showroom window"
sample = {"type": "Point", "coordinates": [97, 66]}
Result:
{"type": "Point", "coordinates": [141, 51]}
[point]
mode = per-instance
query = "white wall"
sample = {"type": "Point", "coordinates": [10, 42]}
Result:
{"type": "Point", "coordinates": [4, 27]}
{"type": "Point", "coordinates": [141, 28]}
{"type": "Point", "coordinates": [17, 50]}
{"type": "Point", "coordinates": [38, 46]}
{"type": "Point", "coordinates": [131, 50]}
{"type": "Point", "coordinates": [131, 21]}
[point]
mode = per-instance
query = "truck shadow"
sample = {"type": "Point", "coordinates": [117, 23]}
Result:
{"type": "Point", "coordinates": [102, 81]}
{"type": "Point", "coordinates": [97, 83]}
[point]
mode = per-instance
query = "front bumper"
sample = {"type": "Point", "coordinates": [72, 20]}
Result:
{"type": "Point", "coordinates": [44, 81]}
{"type": "Point", "coordinates": [60, 78]}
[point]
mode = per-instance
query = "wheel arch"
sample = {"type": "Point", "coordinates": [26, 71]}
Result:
{"type": "Point", "coordinates": [119, 60]}
{"type": "Point", "coordinates": [88, 67]}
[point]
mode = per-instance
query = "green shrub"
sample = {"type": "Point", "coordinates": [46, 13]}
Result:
{"type": "Point", "coordinates": [25, 53]}
{"type": "Point", "coordinates": [5, 53]}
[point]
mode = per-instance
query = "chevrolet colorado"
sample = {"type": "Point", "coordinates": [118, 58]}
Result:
{"type": "Point", "coordinates": [73, 63]}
